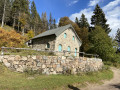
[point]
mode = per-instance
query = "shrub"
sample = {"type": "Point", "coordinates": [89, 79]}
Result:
{"type": "Point", "coordinates": [11, 39]}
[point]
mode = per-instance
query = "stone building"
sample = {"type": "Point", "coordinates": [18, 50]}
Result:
{"type": "Point", "coordinates": [60, 39]}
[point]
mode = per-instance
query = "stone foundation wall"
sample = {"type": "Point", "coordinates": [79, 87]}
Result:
{"type": "Point", "coordinates": [51, 64]}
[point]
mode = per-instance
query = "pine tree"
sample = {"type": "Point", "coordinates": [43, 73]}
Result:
{"type": "Point", "coordinates": [83, 33]}
{"type": "Point", "coordinates": [51, 22]}
{"type": "Point", "coordinates": [77, 21]}
{"type": "Point", "coordinates": [118, 35]}
{"type": "Point", "coordinates": [83, 23]}
{"type": "Point", "coordinates": [16, 12]}
{"type": "Point", "coordinates": [54, 24]}
{"type": "Point", "coordinates": [44, 21]}
{"type": "Point", "coordinates": [34, 16]}
{"type": "Point", "coordinates": [99, 19]}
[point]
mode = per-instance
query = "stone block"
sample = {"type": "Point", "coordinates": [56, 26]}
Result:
{"type": "Point", "coordinates": [43, 66]}
{"type": "Point", "coordinates": [12, 58]}
{"type": "Point", "coordinates": [7, 64]}
{"type": "Point", "coordinates": [34, 57]}
{"type": "Point", "coordinates": [6, 56]}
{"type": "Point", "coordinates": [39, 64]}
{"type": "Point", "coordinates": [19, 69]}
{"type": "Point", "coordinates": [17, 57]}
{"type": "Point", "coordinates": [63, 57]}
{"type": "Point", "coordinates": [24, 58]}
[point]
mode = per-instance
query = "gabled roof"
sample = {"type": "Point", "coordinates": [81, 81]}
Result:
{"type": "Point", "coordinates": [56, 31]}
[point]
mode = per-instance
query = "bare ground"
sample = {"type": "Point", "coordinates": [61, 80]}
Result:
{"type": "Point", "coordinates": [113, 84]}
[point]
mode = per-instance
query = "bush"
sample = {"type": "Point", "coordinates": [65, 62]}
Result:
{"type": "Point", "coordinates": [11, 39]}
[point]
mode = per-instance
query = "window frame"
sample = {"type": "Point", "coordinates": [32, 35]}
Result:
{"type": "Point", "coordinates": [73, 38]}
{"type": "Point", "coordinates": [60, 47]}
{"type": "Point", "coordinates": [65, 35]}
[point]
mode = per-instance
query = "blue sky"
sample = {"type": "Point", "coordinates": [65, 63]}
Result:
{"type": "Point", "coordinates": [74, 8]}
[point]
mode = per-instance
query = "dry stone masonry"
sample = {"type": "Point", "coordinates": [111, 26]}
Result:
{"type": "Point", "coordinates": [51, 64]}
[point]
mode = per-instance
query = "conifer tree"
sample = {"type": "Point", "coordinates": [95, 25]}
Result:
{"type": "Point", "coordinates": [77, 21]}
{"type": "Point", "coordinates": [44, 21]}
{"type": "Point", "coordinates": [84, 34]}
{"type": "Point", "coordinates": [99, 19]}
{"type": "Point", "coordinates": [83, 23]}
{"type": "Point", "coordinates": [118, 35]}
{"type": "Point", "coordinates": [33, 16]}
{"type": "Point", "coordinates": [51, 22]}
{"type": "Point", "coordinates": [54, 24]}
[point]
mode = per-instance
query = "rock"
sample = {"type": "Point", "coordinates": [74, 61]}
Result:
{"type": "Point", "coordinates": [1, 58]}
{"type": "Point", "coordinates": [70, 57]}
{"type": "Point", "coordinates": [17, 57]}
{"type": "Point", "coordinates": [15, 62]}
{"type": "Point", "coordinates": [24, 58]}
{"type": "Point", "coordinates": [51, 70]}
{"type": "Point", "coordinates": [63, 57]}
{"type": "Point", "coordinates": [19, 70]}
{"type": "Point", "coordinates": [59, 69]}
{"type": "Point", "coordinates": [73, 71]}
{"type": "Point", "coordinates": [6, 56]}
{"type": "Point", "coordinates": [45, 58]}
{"type": "Point", "coordinates": [38, 64]}
{"type": "Point", "coordinates": [34, 57]}
{"type": "Point", "coordinates": [43, 66]}
{"type": "Point", "coordinates": [54, 72]}
{"type": "Point", "coordinates": [7, 64]}
{"type": "Point", "coordinates": [11, 58]}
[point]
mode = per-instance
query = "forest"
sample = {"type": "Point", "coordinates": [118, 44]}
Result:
{"type": "Point", "coordinates": [23, 17]}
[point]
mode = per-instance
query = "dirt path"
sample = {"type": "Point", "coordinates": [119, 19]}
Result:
{"type": "Point", "coordinates": [113, 84]}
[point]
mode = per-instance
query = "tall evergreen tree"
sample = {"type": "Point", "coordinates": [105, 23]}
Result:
{"type": "Point", "coordinates": [34, 16]}
{"type": "Point", "coordinates": [118, 35]}
{"type": "Point", "coordinates": [51, 22]}
{"type": "Point", "coordinates": [84, 34]}
{"type": "Point", "coordinates": [44, 21]}
{"type": "Point", "coordinates": [99, 19]}
{"type": "Point", "coordinates": [83, 23]}
{"type": "Point", "coordinates": [54, 24]}
{"type": "Point", "coordinates": [77, 21]}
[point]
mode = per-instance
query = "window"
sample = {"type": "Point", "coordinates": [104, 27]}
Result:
{"type": "Point", "coordinates": [73, 38]}
{"type": "Point", "coordinates": [69, 48]}
{"type": "Point", "coordinates": [65, 35]}
{"type": "Point", "coordinates": [48, 45]}
{"type": "Point", "coordinates": [75, 51]}
{"type": "Point", "coordinates": [60, 47]}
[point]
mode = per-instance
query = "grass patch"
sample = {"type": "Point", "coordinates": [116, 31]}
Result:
{"type": "Point", "coordinates": [19, 81]}
{"type": "Point", "coordinates": [27, 52]}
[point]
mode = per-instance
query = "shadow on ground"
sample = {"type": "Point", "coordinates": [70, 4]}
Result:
{"type": "Point", "coordinates": [73, 88]}
{"type": "Point", "coordinates": [116, 85]}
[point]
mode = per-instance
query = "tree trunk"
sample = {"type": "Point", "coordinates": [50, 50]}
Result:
{"type": "Point", "coordinates": [23, 31]}
{"type": "Point", "coordinates": [14, 23]}
{"type": "Point", "coordinates": [19, 22]}
{"type": "Point", "coordinates": [3, 18]}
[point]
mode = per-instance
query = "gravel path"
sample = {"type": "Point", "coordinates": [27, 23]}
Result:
{"type": "Point", "coordinates": [113, 84]}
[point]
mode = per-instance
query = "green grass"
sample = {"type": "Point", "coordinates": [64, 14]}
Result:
{"type": "Point", "coordinates": [27, 52]}
{"type": "Point", "coordinates": [19, 81]}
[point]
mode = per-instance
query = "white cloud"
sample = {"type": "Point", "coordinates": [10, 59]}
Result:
{"type": "Point", "coordinates": [72, 2]}
{"type": "Point", "coordinates": [93, 2]}
{"type": "Point", "coordinates": [112, 13]}
{"type": "Point", "coordinates": [111, 5]}
{"type": "Point", "coordinates": [88, 13]}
